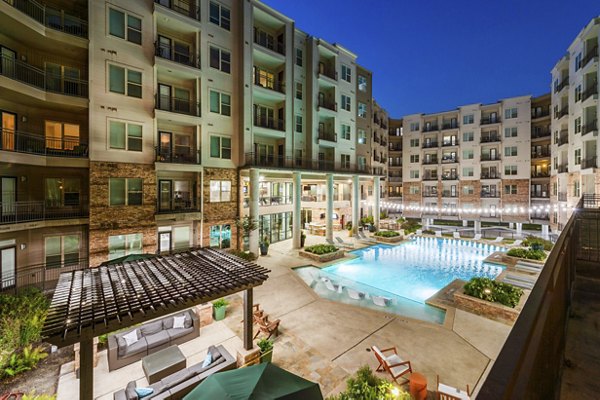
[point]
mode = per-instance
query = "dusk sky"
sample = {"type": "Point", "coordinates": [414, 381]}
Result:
{"type": "Point", "coordinates": [434, 55]}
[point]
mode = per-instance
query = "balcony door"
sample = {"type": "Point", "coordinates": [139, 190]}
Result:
{"type": "Point", "coordinates": [492, 191]}
{"type": "Point", "coordinates": [493, 117]}
{"type": "Point", "coordinates": [8, 198]}
{"type": "Point", "coordinates": [165, 140]}
{"type": "Point", "coordinates": [8, 60]}
{"type": "Point", "coordinates": [8, 265]}
{"type": "Point", "coordinates": [165, 188]}
{"type": "Point", "coordinates": [164, 242]}
{"type": "Point", "coordinates": [8, 126]}
{"type": "Point", "coordinates": [493, 172]}
{"type": "Point", "coordinates": [164, 47]}
{"type": "Point", "coordinates": [182, 101]}
{"type": "Point", "coordinates": [164, 97]}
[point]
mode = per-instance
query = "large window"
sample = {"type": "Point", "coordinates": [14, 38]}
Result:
{"type": "Point", "coordinates": [124, 26]}
{"type": "Point", "coordinates": [125, 136]}
{"type": "Point", "coordinates": [510, 151]}
{"type": "Point", "coordinates": [220, 15]}
{"type": "Point", "coordinates": [577, 156]}
{"type": "Point", "coordinates": [346, 73]}
{"type": "Point", "coordinates": [362, 136]}
{"type": "Point", "coordinates": [299, 57]}
{"type": "Point", "coordinates": [181, 237]}
{"type": "Point", "coordinates": [299, 123]}
{"type": "Point", "coordinates": [220, 236]}
{"type": "Point", "coordinates": [275, 227]}
{"type": "Point", "coordinates": [125, 191]}
{"type": "Point", "coordinates": [510, 170]}
{"type": "Point", "coordinates": [220, 103]}
{"type": "Point", "coordinates": [61, 250]}
{"type": "Point", "coordinates": [220, 59]}
{"type": "Point", "coordinates": [511, 132]}
{"type": "Point", "coordinates": [220, 191]}
{"type": "Point", "coordinates": [62, 192]}
{"type": "Point", "coordinates": [124, 81]}
{"type": "Point", "coordinates": [468, 136]}
{"type": "Point", "coordinates": [60, 135]}
{"type": "Point", "coordinates": [346, 103]}
{"type": "Point", "coordinates": [468, 119]}
{"type": "Point", "coordinates": [362, 83]}
{"type": "Point", "coordinates": [220, 147]}
{"type": "Point", "coordinates": [511, 113]}
{"type": "Point", "coordinates": [362, 110]}
{"type": "Point", "coordinates": [122, 245]}
{"type": "Point", "coordinates": [345, 161]}
{"type": "Point", "coordinates": [299, 90]}
{"type": "Point", "coordinates": [345, 131]}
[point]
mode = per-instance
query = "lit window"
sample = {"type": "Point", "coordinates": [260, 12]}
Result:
{"type": "Point", "coordinates": [220, 191]}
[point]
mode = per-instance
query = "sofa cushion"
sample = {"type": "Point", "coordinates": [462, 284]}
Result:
{"type": "Point", "coordinates": [168, 321]}
{"type": "Point", "coordinates": [157, 339]}
{"type": "Point", "coordinates": [122, 343]}
{"type": "Point", "coordinates": [215, 354]}
{"type": "Point", "coordinates": [198, 368]}
{"type": "Point", "coordinates": [178, 322]}
{"type": "Point", "coordinates": [138, 347]}
{"type": "Point", "coordinates": [130, 392]}
{"type": "Point", "coordinates": [151, 328]}
{"type": "Point", "coordinates": [175, 333]}
{"type": "Point", "coordinates": [177, 378]}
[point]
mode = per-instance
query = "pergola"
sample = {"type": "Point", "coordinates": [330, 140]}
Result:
{"type": "Point", "coordinates": [96, 301]}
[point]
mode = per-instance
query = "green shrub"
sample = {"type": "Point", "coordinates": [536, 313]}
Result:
{"type": "Point", "coordinates": [265, 345]}
{"type": "Point", "coordinates": [410, 226]}
{"type": "Point", "coordinates": [490, 290]}
{"type": "Point", "coordinates": [220, 303]}
{"type": "Point", "coordinates": [387, 234]}
{"type": "Point", "coordinates": [428, 232]}
{"type": "Point", "coordinates": [22, 361]}
{"type": "Point", "coordinates": [367, 220]}
{"type": "Point", "coordinates": [33, 396]}
{"type": "Point", "coordinates": [366, 386]}
{"type": "Point", "coordinates": [243, 255]}
{"type": "Point", "coordinates": [401, 220]}
{"type": "Point", "coordinates": [529, 254]}
{"type": "Point", "coordinates": [320, 249]}
{"type": "Point", "coordinates": [534, 241]}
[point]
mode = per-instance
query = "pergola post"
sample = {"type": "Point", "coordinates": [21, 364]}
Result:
{"type": "Point", "coordinates": [376, 202]}
{"type": "Point", "coordinates": [248, 319]}
{"type": "Point", "coordinates": [296, 223]}
{"type": "Point", "coordinates": [254, 239]}
{"type": "Point", "coordinates": [329, 208]}
{"type": "Point", "coordinates": [86, 369]}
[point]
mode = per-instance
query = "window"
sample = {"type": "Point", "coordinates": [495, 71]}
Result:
{"type": "Point", "coordinates": [61, 250]}
{"type": "Point", "coordinates": [554, 188]}
{"type": "Point", "coordinates": [578, 62]}
{"type": "Point", "coordinates": [346, 102]}
{"type": "Point", "coordinates": [510, 151]}
{"type": "Point", "coordinates": [510, 132]}
{"type": "Point", "coordinates": [468, 119]}
{"type": "Point", "coordinates": [125, 191]}
{"type": "Point", "coordinates": [130, 31]}
{"type": "Point", "coordinates": [299, 123]}
{"type": "Point", "coordinates": [362, 110]}
{"type": "Point", "coordinates": [299, 57]}
{"type": "Point", "coordinates": [125, 136]}
{"type": "Point", "coordinates": [468, 136]}
{"type": "Point", "coordinates": [467, 171]}
{"type": "Point", "coordinates": [62, 192]}
{"type": "Point", "coordinates": [362, 136]}
{"type": "Point", "coordinates": [299, 90]}
{"type": "Point", "coordinates": [220, 15]}
{"type": "Point", "coordinates": [414, 174]}
{"type": "Point", "coordinates": [132, 86]}
{"type": "Point", "coordinates": [510, 170]}
{"type": "Point", "coordinates": [346, 73]}
{"type": "Point", "coordinates": [362, 83]}
{"type": "Point", "coordinates": [578, 125]}
{"type": "Point", "coordinates": [220, 236]}
{"type": "Point", "coordinates": [577, 156]}
{"type": "Point", "coordinates": [414, 158]}
{"type": "Point", "coordinates": [60, 135]}
{"type": "Point", "coordinates": [511, 113]}
{"type": "Point", "coordinates": [181, 237]}
{"type": "Point", "coordinates": [415, 189]}
{"type": "Point", "coordinates": [468, 154]}
{"type": "Point", "coordinates": [122, 245]}
{"type": "Point", "coordinates": [362, 163]}
{"type": "Point", "coordinates": [220, 191]}
{"type": "Point", "coordinates": [414, 126]}
{"type": "Point", "coordinates": [510, 189]}
{"type": "Point", "coordinates": [578, 93]}
{"type": "Point", "coordinates": [220, 103]}
{"type": "Point", "coordinates": [468, 189]}
{"type": "Point", "coordinates": [345, 131]}
{"type": "Point", "coordinates": [414, 142]}
{"type": "Point", "coordinates": [345, 161]}
{"type": "Point", "coordinates": [555, 163]}
{"type": "Point", "coordinates": [220, 59]}
{"type": "Point", "coordinates": [220, 147]}
{"type": "Point", "coordinates": [576, 189]}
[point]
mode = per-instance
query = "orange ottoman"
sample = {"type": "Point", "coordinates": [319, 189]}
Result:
{"type": "Point", "coordinates": [418, 386]}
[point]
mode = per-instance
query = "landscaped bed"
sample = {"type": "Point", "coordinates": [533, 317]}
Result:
{"type": "Point", "coordinates": [388, 237]}
{"type": "Point", "coordinates": [322, 252]}
{"type": "Point", "coordinates": [528, 254]}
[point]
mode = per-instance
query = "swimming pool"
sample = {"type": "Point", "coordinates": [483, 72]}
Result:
{"type": "Point", "coordinates": [409, 273]}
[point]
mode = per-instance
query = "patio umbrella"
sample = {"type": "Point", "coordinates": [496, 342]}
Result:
{"type": "Point", "coordinates": [130, 257]}
{"type": "Point", "coordinates": [263, 381]}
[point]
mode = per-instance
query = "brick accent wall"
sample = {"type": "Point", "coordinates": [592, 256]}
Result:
{"type": "Point", "coordinates": [474, 198]}
{"type": "Point", "coordinates": [410, 198]}
{"type": "Point", "coordinates": [222, 212]}
{"type": "Point", "coordinates": [521, 199]}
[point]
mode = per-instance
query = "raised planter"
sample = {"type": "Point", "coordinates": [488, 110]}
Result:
{"type": "Point", "coordinates": [393, 239]}
{"type": "Point", "coordinates": [494, 311]}
{"type": "Point", "coordinates": [322, 258]}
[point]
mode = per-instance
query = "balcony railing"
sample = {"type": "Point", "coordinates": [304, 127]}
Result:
{"type": "Point", "coordinates": [589, 92]}
{"type": "Point", "coordinates": [430, 194]}
{"type": "Point", "coordinates": [42, 276]}
{"type": "Point", "coordinates": [449, 125]}
{"type": "Point", "coordinates": [330, 105]}
{"type": "Point", "coordinates": [540, 174]}
{"type": "Point", "coordinates": [269, 122]}
{"type": "Point", "coordinates": [450, 177]}
{"type": "Point", "coordinates": [178, 156]}
{"type": "Point", "coordinates": [430, 177]}
{"type": "Point", "coordinates": [562, 196]}
{"type": "Point", "coordinates": [563, 84]}
{"type": "Point", "coordinates": [430, 161]}
{"type": "Point", "coordinates": [430, 128]}
{"type": "Point", "coordinates": [14, 212]}
{"type": "Point", "coordinates": [540, 133]}
{"type": "Point", "coordinates": [449, 193]}
{"type": "Point", "coordinates": [38, 78]}
{"type": "Point", "coordinates": [540, 153]}
{"type": "Point", "coordinates": [490, 139]}
{"type": "Point", "coordinates": [395, 178]}
{"type": "Point", "coordinates": [170, 53]}
{"type": "Point", "coordinates": [310, 164]}
{"type": "Point", "coordinates": [540, 195]}
{"type": "Point", "coordinates": [540, 114]}
{"type": "Point", "coordinates": [179, 106]}
{"type": "Point", "coordinates": [490, 195]}
{"type": "Point", "coordinates": [183, 7]}
{"type": "Point", "coordinates": [490, 120]}
{"type": "Point", "coordinates": [449, 160]}
{"type": "Point", "coordinates": [330, 73]}
{"type": "Point", "coordinates": [562, 112]}
{"type": "Point", "coordinates": [51, 17]}
{"type": "Point", "coordinates": [329, 136]}
{"type": "Point", "coordinates": [489, 157]}
{"type": "Point", "coordinates": [178, 205]}
{"type": "Point", "coordinates": [563, 137]}
{"type": "Point", "coordinates": [450, 143]}
{"type": "Point", "coordinates": [376, 138]}
{"type": "Point", "coordinates": [429, 145]}
{"type": "Point", "coordinates": [589, 56]}
{"type": "Point", "coordinates": [266, 41]}
{"type": "Point", "coordinates": [21, 142]}
{"type": "Point", "coordinates": [590, 127]}
{"type": "Point", "coordinates": [395, 147]}
{"type": "Point", "coordinates": [591, 162]}
{"type": "Point", "coordinates": [487, 175]}
{"type": "Point", "coordinates": [275, 86]}
{"type": "Point", "coordinates": [563, 168]}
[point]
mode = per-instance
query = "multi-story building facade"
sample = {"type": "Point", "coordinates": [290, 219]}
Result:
{"type": "Point", "coordinates": [395, 161]}
{"type": "Point", "coordinates": [575, 111]}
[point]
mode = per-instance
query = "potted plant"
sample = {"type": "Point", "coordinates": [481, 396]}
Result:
{"type": "Point", "coordinates": [219, 307]}
{"type": "Point", "coordinates": [264, 246]}
{"type": "Point", "coordinates": [349, 228]}
{"type": "Point", "coordinates": [266, 350]}
{"type": "Point", "coordinates": [302, 239]}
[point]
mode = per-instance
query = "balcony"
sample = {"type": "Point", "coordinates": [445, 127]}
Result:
{"type": "Point", "coordinates": [562, 196]}
{"type": "Point", "coordinates": [563, 84]}
{"type": "Point", "coordinates": [430, 194]}
{"type": "Point", "coordinates": [383, 142]}
{"type": "Point", "coordinates": [375, 138]}
{"type": "Point", "coordinates": [562, 112]}
{"type": "Point", "coordinates": [170, 53]}
{"type": "Point", "coordinates": [589, 56]}
{"type": "Point", "coordinates": [183, 7]}
{"type": "Point", "coordinates": [430, 161]}
{"type": "Point", "coordinates": [14, 212]}
{"type": "Point", "coordinates": [52, 18]}
{"type": "Point", "coordinates": [430, 128]}
{"type": "Point", "coordinates": [449, 160]}
{"type": "Point", "coordinates": [449, 125]}
{"type": "Point", "coordinates": [563, 168]}
{"type": "Point", "coordinates": [589, 92]}
{"type": "Point", "coordinates": [449, 193]}
{"type": "Point", "coordinates": [563, 137]}
{"type": "Point", "coordinates": [21, 142]}
{"type": "Point", "coordinates": [490, 175]}
{"type": "Point", "coordinates": [540, 153]}
{"type": "Point", "coordinates": [177, 205]}
{"type": "Point", "coordinates": [537, 216]}
{"type": "Point", "coordinates": [28, 74]}
{"type": "Point", "coordinates": [176, 105]}
{"type": "Point", "coordinates": [540, 195]}
{"type": "Point", "coordinates": [450, 143]}
{"type": "Point", "coordinates": [330, 73]}
{"type": "Point", "coordinates": [395, 147]}
{"type": "Point", "coordinates": [490, 194]}
{"type": "Point", "coordinates": [428, 177]}
{"type": "Point", "coordinates": [490, 120]}
{"type": "Point", "coordinates": [535, 114]}
{"type": "Point", "coordinates": [329, 105]}
{"type": "Point", "coordinates": [429, 145]}
{"type": "Point", "coordinates": [265, 40]}
{"type": "Point", "coordinates": [450, 177]}
{"type": "Point", "coordinates": [490, 157]}
{"type": "Point", "coordinates": [393, 178]}
{"type": "Point", "coordinates": [540, 174]}
{"type": "Point", "coordinates": [329, 136]}
{"type": "Point", "coordinates": [490, 139]}
{"type": "Point", "coordinates": [42, 276]}
{"type": "Point", "coordinates": [590, 127]}
{"type": "Point", "coordinates": [536, 134]}
{"type": "Point", "coordinates": [307, 164]}
{"type": "Point", "coordinates": [263, 121]}
{"type": "Point", "coordinates": [275, 86]}
{"type": "Point", "coordinates": [186, 156]}
{"type": "Point", "coordinates": [591, 162]}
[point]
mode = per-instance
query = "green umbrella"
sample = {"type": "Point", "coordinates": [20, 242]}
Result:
{"type": "Point", "coordinates": [261, 382]}
{"type": "Point", "coordinates": [130, 257]}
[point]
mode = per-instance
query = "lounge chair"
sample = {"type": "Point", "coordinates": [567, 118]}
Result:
{"type": "Point", "coordinates": [520, 281]}
{"type": "Point", "coordinates": [344, 244]}
{"type": "Point", "coordinates": [534, 270]}
{"type": "Point", "coordinates": [267, 327]}
{"type": "Point", "coordinates": [392, 364]}
{"type": "Point", "coordinates": [517, 243]}
{"type": "Point", "coordinates": [530, 264]}
{"type": "Point", "coordinates": [438, 233]}
{"type": "Point", "coordinates": [331, 242]}
{"type": "Point", "coordinates": [332, 286]}
{"type": "Point", "coordinates": [362, 236]}
{"type": "Point", "coordinates": [477, 236]}
{"type": "Point", "coordinates": [355, 294]}
{"type": "Point", "coordinates": [498, 239]}
{"type": "Point", "coordinates": [419, 232]}
{"type": "Point", "coordinates": [381, 300]}
{"type": "Point", "coordinates": [456, 235]}
{"type": "Point", "coordinates": [445, 392]}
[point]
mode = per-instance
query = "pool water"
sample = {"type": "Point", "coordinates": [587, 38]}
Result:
{"type": "Point", "coordinates": [408, 273]}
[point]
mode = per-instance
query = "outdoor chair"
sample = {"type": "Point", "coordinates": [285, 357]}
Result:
{"type": "Point", "coordinates": [362, 236]}
{"type": "Point", "coordinates": [498, 239]}
{"type": "Point", "coordinates": [257, 313]}
{"type": "Point", "coordinates": [344, 244]}
{"type": "Point", "coordinates": [445, 392]}
{"type": "Point", "coordinates": [477, 236]}
{"type": "Point", "coordinates": [519, 282]}
{"type": "Point", "coordinates": [331, 242]}
{"type": "Point", "coordinates": [355, 294]}
{"type": "Point", "coordinates": [267, 327]}
{"type": "Point", "coordinates": [438, 233]}
{"type": "Point", "coordinates": [392, 364]}
{"type": "Point", "coordinates": [517, 243]}
{"type": "Point", "coordinates": [527, 268]}
{"type": "Point", "coordinates": [456, 235]}
{"type": "Point", "coordinates": [530, 264]}
{"type": "Point", "coordinates": [332, 286]}
{"type": "Point", "coordinates": [419, 231]}
{"type": "Point", "coordinates": [381, 300]}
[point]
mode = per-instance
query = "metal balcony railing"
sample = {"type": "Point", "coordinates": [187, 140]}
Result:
{"type": "Point", "coordinates": [563, 168]}
{"type": "Point", "coordinates": [178, 156]}
{"type": "Point", "coordinates": [275, 86]}
{"type": "Point", "coordinates": [330, 105]}
{"type": "Point", "coordinates": [429, 145]}
{"type": "Point", "coordinates": [430, 161]}
{"type": "Point", "coordinates": [176, 105]}
{"type": "Point", "coordinates": [487, 175]}
{"type": "Point", "coordinates": [430, 194]}
{"type": "Point", "coordinates": [540, 133]}
{"type": "Point", "coordinates": [591, 162]}
{"type": "Point", "coordinates": [430, 128]}
{"type": "Point", "coordinates": [489, 157]}
{"type": "Point", "coordinates": [267, 41]}
{"type": "Point", "coordinates": [449, 125]}
{"type": "Point", "coordinates": [540, 114]}
{"type": "Point", "coordinates": [589, 56]}
{"type": "Point", "coordinates": [563, 137]}
{"type": "Point", "coordinates": [41, 79]}
{"type": "Point", "coordinates": [562, 196]}
{"type": "Point", "coordinates": [540, 153]}
{"type": "Point", "coordinates": [22, 142]}
{"type": "Point", "coordinates": [51, 17]}
{"type": "Point", "coordinates": [590, 127]}
{"type": "Point", "coordinates": [589, 92]}
{"type": "Point", "coordinates": [329, 136]}
{"type": "Point", "coordinates": [490, 120]}
{"type": "Point", "coordinates": [449, 193]}
{"type": "Point", "coordinates": [170, 53]}
{"type": "Point", "coordinates": [449, 160]}
{"type": "Point", "coordinates": [563, 84]}
{"type": "Point", "coordinates": [562, 112]}
{"type": "Point", "coordinates": [450, 177]}
{"type": "Point", "coordinates": [330, 73]}
{"type": "Point", "coordinates": [309, 164]}
{"type": "Point", "coordinates": [430, 177]}
{"type": "Point", "coordinates": [490, 139]}
{"type": "Point", "coordinates": [449, 143]}
{"type": "Point", "coordinates": [14, 212]}
{"type": "Point", "coordinates": [540, 174]}
{"type": "Point", "coordinates": [177, 205]}
{"type": "Point", "coordinates": [269, 122]}
{"type": "Point", "coordinates": [490, 195]}
{"type": "Point", "coordinates": [188, 8]}
{"type": "Point", "coordinates": [42, 276]}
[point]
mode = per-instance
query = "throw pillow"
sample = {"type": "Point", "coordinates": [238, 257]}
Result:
{"type": "Point", "coordinates": [207, 360]}
{"type": "Point", "coordinates": [131, 337]}
{"type": "Point", "coordinates": [179, 322]}
{"type": "Point", "coordinates": [130, 393]}
{"type": "Point", "coordinates": [144, 391]}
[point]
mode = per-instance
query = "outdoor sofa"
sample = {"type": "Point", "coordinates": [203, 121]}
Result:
{"type": "Point", "coordinates": [177, 385]}
{"type": "Point", "coordinates": [152, 336]}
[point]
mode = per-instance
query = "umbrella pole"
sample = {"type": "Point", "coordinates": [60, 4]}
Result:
{"type": "Point", "coordinates": [248, 302]}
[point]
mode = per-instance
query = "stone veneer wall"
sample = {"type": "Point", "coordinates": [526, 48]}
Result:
{"type": "Point", "coordinates": [108, 221]}
{"type": "Point", "coordinates": [223, 212]}
{"type": "Point", "coordinates": [521, 199]}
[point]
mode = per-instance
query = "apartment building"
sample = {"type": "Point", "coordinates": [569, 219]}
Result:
{"type": "Point", "coordinates": [159, 124]}
{"type": "Point", "coordinates": [574, 124]}
{"type": "Point", "coordinates": [395, 161]}
{"type": "Point", "coordinates": [474, 163]}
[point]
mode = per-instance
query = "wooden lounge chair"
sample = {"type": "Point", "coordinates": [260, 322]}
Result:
{"type": "Point", "coordinates": [381, 301]}
{"type": "Point", "coordinates": [331, 242]}
{"type": "Point", "coordinates": [344, 244]}
{"type": "Point", "coordinates": [533, 270]}
{"type": "Point", "coordinates": [445, 392]}
{"type": "Point", "coordinates": [518, 283]}
{"type": "Point", "coordinates": [392, 363]}
{"type": "Point", "coordinates": [530, 264]}
{"type": "Point", "coordinates": [267, 327]}
{"type": "Point", "coordinates": [355, 294]}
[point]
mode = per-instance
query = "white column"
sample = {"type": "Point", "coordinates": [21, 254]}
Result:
{"type": "Point", "coordinates": [545, 232]}
{"type": "Point", "coordinates": [329, 209]}
{"type": "Point", "coordinates": [254, 194]}
{"type": "Point", "coordinates": [511, 225]}
{"type": "Point", "coordinates": [477, 226]}
{"type": "Point", "coordinates": [519, 228]}
{"type": "Point", "coordinates": [425, 222]}
{"type": "Point", "coordinates": [465, 222]}
{"type": "Point", "coordinates": [376, 197]}
{"type": "Point", "coordinates": [355, 203]}
{"type": "Point", "coordinates": [296, 223]}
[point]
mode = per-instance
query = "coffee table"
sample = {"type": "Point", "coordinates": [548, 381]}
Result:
{"type": "Point", "coordinates": [163, 363]}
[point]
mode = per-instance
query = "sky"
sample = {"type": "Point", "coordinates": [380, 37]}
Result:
{"type": "Point", "coordinates": [435, 55]}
